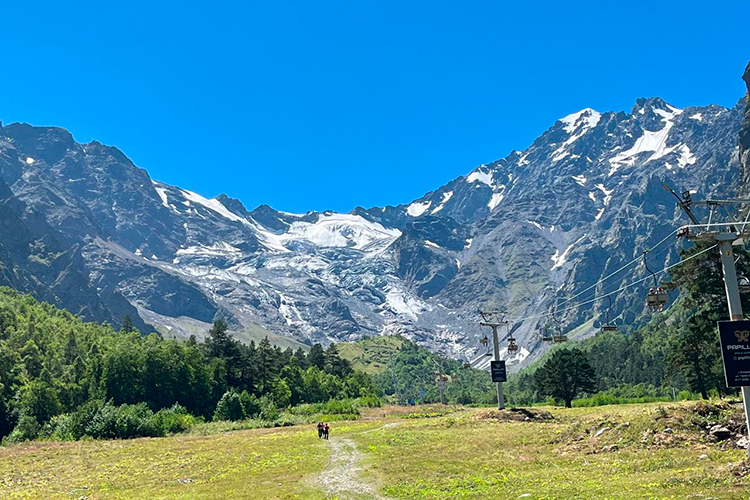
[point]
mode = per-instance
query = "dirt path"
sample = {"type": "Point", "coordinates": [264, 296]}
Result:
{"type": "Point", "coordinates": [342, 476]}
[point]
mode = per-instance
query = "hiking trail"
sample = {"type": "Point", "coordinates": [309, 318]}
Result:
{"type": "Point", "coordinates": [342, 475]}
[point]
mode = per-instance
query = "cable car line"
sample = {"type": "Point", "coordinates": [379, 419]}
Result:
{"type": "Point", "coordinates": [634, 261]}
{"type": "Point", "coordinates": [630, 285]}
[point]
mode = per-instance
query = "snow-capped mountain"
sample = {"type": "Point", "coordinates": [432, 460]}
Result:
{"type": "Point", "coordinates": [515, 234]}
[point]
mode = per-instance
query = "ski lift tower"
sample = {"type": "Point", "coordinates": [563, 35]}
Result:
{"type": "Point", "coordinates": [726, 235]}
{"type": "Point", "coordinates": [495, 320]}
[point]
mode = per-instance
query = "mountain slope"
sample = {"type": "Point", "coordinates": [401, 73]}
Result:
{"type": "Point", "coordinates": [517, 234]}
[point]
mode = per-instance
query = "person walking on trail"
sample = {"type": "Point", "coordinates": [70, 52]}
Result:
{"type": "Point", "coordinates": [320, 430]}
{"type": "Point", "coordinates": [326, 430]}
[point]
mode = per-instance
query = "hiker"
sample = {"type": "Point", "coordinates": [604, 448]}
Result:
{"type": "Point", "coordinates": [325, 431]}
{"type": "Point", "coordinates": [320, 430]}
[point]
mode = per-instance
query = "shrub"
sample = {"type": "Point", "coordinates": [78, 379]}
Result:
{"type": "Point", "coordinates": [121, 422]}
{"type": "Point", "coordinates": [250, 404]}
{"type": "Point", "coordinates": [368, 402]}
{"type": "Point", "coordinates": [341, 406]}
{"type": "Point", "coordinates": [229, 407]}
{"type": "Point", "coordinates": [172, 420]}
{"type": "Point", "coordinates": [268, 410]}
{"type": "Point", "coordinates": [26, 429]}
{"type": "Point", "coordinates": [72, 426]}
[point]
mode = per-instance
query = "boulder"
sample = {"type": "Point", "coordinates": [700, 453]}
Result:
{"type": "Point", "coordinates": [720, 432]}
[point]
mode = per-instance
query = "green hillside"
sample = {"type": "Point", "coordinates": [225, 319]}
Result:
{"type": "Point", "coordinates": [371, 355]}
{"type": "Point", "coordinates": [410, 373]}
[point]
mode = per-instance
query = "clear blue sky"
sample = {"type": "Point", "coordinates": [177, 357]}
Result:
{"type": "Point", "coordinates": [328, 105]}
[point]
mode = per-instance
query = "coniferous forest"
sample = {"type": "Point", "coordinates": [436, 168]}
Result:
{"type": "Point", "coordinates": [64, 378]}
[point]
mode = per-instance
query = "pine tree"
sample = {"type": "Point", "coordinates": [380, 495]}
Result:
{"type": "Point", "coordinates": [565, 375]}
{"type": "Point", "coordinates": [335, 364]}
{"type": "Point", "coordinates": [266, 364]}
{"type": "Point", "coordinates": [218, 339]}
{"type": "Point", "coordinates": [127, 325]}
{"type": "Point", "coordinates": [316, 357]}
{"type": "Point", "coordinates": [694, 352]}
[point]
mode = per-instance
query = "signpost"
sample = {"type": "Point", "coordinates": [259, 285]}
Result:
{"type": "Point", "coordinates": [498, 371]}
{"type": "Point", "coordinates": [488, 321]}
{"type": "Point", "coordinates": [735, 351]}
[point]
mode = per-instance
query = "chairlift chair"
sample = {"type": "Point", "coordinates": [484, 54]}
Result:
{"type": "Point", "coordinates": [657, 297]}
{"type": "Point", "coordinates": [559, 336]}
{"type": "Point", "coordinates": [608, 327]}
{"type": "Point", "coordinates": [744, 284]}
{"type": "Point", "coordinates": [486, 343]}
{"type": "Point", "coordinates": [512, 346]}
{"type": "Point", "coordinates": [546, 336]}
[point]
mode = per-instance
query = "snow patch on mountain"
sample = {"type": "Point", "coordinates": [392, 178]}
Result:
{"type": "Point", "coordinates": [561, 258]}
{"type": "Point", "coordinates": [218, 249]}
{"type": "Point", "coordinates": [686, 157]}
{"type": "Point", "coordinates": [403, 303]}
{"type": "Point", "coordinates": [580, 180]}
{"type": "Point", "coordinates": [649, 141]}
{"type": "Point", "coordinates": [418, 208]}
{"type": "Point", "coordinates": [495, 200]}
{"type": "Point", "coordinates": [214, 205]}
{"type": "Point", "coordinates": [162, 194]}
{"type": "Point", "coordinates": [483, 177]}
{"type": "Point", "coordinates": [587, 118]}
{"type": "Point", "coordinates": [607, 193]}
{"type": "Point", "coordinates": [446, 197]}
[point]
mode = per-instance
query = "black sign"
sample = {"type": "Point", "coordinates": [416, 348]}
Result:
{"type": "Point", "coordinates": [498, 371]}
{"type": "Point", "coordinates": [735, 350]}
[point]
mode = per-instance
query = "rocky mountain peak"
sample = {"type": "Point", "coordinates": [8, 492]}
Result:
{"type": "Point", "coordinates": [520, 233]}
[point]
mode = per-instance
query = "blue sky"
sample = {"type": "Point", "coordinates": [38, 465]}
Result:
{"type": "Point", "coordinates": [330, 105]}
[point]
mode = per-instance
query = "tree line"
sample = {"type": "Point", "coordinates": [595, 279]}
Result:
{"type": "Point", "coordinates": [54, 368]}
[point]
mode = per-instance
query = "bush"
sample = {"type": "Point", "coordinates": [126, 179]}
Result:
{"type": "Point", "coordinates": [72, 426]}
{"type": "Point", "coordinates": [172, 420]}
{"type": "Point", "coordinates": [368, 402]}
{"type": "Point", "coordinates": [250, 404]}
{"type": "Point", "coordinates": [268, 410]}
{"type": "Point", "coordinates": [341, 407]}
{"type": "Point", "coordinates": [26, 429]}
{"type": "Point", "coordinates": [121, 422]}
{"type": "Point", "coordinates": [229, 407]}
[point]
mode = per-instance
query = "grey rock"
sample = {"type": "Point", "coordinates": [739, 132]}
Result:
{"type": "Point", "coordinates": [720, 432]}
{"type": "Point", "coordinates": [601, 431]}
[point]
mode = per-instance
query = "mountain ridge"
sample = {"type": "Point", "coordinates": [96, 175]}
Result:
{"type": "Point", "coordinates": [519, 233]}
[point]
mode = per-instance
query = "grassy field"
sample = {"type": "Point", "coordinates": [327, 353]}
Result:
{"type": "Point", "coordinates": [647, 451]}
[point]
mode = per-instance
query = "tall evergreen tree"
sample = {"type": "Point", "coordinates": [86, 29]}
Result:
{"type": "Point", "coordinates": [565, 375]}
{"type": "Point", "coordinates": [127, 325]}
{"type": "Point", "coordinates": [695, 353]}
{"type": "Point", "coordinates": [335, 364]}
{"type": "Point", "coordinates": [266, 357]}
{"type": "Point", "coordinates": [316, 357]}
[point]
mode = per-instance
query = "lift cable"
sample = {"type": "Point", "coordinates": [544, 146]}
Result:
{"type": "Point", "coordinates": [634, 261]}
{"type": "Point", "coordinates": [641, 280]}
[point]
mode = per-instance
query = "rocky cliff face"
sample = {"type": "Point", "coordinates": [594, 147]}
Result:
{"type": "Point", "coordinates": [519, 234]}
{"type": "Point", "coordinates": [744, 152]}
